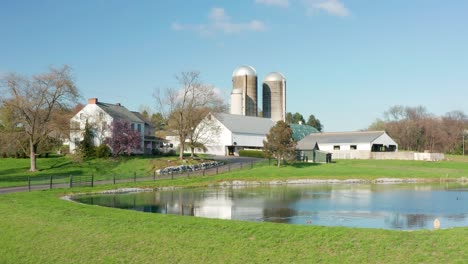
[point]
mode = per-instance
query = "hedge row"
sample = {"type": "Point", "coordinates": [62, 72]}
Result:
{"type": "Point", "coordinates": [252, 153]}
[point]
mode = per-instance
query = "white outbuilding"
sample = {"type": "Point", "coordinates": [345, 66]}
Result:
{"type": "Point", "coordinates": [349, 145]}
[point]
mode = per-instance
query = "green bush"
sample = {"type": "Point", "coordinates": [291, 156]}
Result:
{"type": "Point", "coordinates": [252, 153]}
{"type": "Point", "coordinates": [103, 151]}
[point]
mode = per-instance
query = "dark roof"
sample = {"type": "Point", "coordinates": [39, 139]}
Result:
{"type": "Point", "coordinates": [245, 124]}
{"type": "Point", "coordinates": [301, 131]}
{"type": "Point", "coordinates": [118, 111]}
{"type": "Point", "coordinates": [143, 118]}
{"type": "Point", "coordinates": [309, 141]}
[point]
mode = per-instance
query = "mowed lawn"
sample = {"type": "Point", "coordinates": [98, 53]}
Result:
{"type": "Point", "coordinates": [14, 172]}
{"type": "Point", "coordinates": [39, 227]}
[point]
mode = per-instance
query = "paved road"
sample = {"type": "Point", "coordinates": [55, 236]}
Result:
{"type": "Point", "coordinates": [232, 162]}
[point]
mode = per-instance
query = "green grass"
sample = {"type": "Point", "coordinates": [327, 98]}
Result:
{"type": "Point", "coordinates": [38, 227]}
{"type": "Point", "coordinates": [14, 172]}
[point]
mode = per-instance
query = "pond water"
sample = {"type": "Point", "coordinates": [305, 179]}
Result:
{"type": "Point", "coordinates": [388, 206]}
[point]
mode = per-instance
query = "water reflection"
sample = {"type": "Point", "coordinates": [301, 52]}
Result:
{"type": "Point", "coordinates": [390, 206]}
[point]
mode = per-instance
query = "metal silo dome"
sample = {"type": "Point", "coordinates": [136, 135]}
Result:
{"type": "Point", "coordinates": [274, 76]}
{"type": "Point", "coordinates": [244, 70]}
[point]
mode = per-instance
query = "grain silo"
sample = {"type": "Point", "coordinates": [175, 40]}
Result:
{"type": "Point", "coordinates": [237, 106]}
{"type": "Point", "coordinates": [245, 79]}
{"type": "Point", "coordinates": [274, 96]}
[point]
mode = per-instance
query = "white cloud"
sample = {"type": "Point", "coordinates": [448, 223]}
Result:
{"type": "Point", "coordinates": [332, 7]}
{"type": "Point", "coordinates": [219, 21]}
{"type": "Point", "coordinates": [280, 3]}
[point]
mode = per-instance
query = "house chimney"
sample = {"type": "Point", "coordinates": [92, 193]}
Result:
{"type": "Point", "coordinates": [118, 104]}
{"type": "Point", "coordinates": [92, 101]}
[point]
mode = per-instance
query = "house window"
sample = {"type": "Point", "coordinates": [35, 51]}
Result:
{"type": "Point", "coordinates": [139, 127]}
{"type": "Point", "coordinates": [133, 126]}
{"type": "Point", "coordinates": [353, 147]}
{"type": "Point", "coordinates": [82, 116]}
{"type": "Point", "coordinates": [75, 125]}
{"type": "Point", "coordinates": [336, 147]}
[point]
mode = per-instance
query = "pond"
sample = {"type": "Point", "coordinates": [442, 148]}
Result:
{"type": "Point", "coordinates": [387, 206]}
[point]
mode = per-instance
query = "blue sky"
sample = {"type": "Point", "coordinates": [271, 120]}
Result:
{"type": "Point", "coordinates": [346, 61]}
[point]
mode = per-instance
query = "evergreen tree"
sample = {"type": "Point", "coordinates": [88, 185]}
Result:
{"type": "Point", "coordinates": [87, 145]}
{"type": "Point", "coordinates": [314, 122]}
{"type": "Point", "coordinates": [279, 143]}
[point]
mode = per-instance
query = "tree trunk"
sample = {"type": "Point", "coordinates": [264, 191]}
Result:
{"type": "Point", "coordinates": [192, 152]}
{"type": "Point", "coordinates": [279, 161]}
{"type": "Point", "coordinates": [181, 147]}
{"type": "Point", "coordinates": [32, 155]}
{"type": "Point", "coordinates": [181, 150]}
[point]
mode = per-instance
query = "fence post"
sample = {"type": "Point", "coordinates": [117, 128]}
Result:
{"type": "Point", "coordinates": [172, 174]}
{"type": "Point", "coordinates": [29, 183]}
{"type": "Point", "coordinates": [92, 180]}
{"type": "Point", "coordinates": [188, 174]}
{"type": "Point", "coordinates": [50, 182]}
{"type": "Point", "coordinates": [134, 177]}
{"type": "Point", "coordinates": [251, 164]}
{"type": "Point", "coordinates": [216, 170]}
{"type": "Point", "coordinates": [229, 167]}
{"type": "Point", "coordinates": [204, 169]}
{"type": "Point", "coordinates": [154, 175]}
{"type": "Point", "coordinates": [241, 165]}
{"type": "Point", "coordinates": [113, 174]}
{"type": "Point", "coordinates": [71, 181]}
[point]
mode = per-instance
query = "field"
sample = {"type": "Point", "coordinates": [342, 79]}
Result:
{"type": "Point", "coordinates": [39, 227]}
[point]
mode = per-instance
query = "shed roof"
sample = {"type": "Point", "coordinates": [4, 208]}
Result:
{"type": "Point", "coordinates": [309, 141]}
{"type": "Point", "coordinates": [118, 111]}
{"type": "Point", "coordinates": [245, 124]}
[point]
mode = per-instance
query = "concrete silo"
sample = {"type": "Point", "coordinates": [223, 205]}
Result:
{"type": "Point", "coordinates": [245, 79]}
{"type": "Point", "coordinates": [274, 96]}
{"type": "Point", "coordinates": [237, 107]}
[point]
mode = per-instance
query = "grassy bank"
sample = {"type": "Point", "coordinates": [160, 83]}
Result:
{"type": "Point", "coordinates": [38, 227]}
{"type": "Point", "coordinates": [14, 172]}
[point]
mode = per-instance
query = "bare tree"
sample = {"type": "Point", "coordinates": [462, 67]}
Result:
{"type": "Point", "coordinates": [414, 128]}
{"type": "Point", "coordinates": [184, 107]}
{"type": "Point", "coordinates": [34, 101]}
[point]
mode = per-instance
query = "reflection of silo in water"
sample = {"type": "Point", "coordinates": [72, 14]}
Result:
{"type": "Point", "coordinates": [236, 102]}
{"type": "Point", "coordinates": [245, 79]}
{"type": "Point", "coordinates": [274, 97]}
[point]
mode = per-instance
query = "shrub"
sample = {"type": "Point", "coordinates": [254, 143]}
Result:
{"type": "Point", "coordinates": [103, 151]}
{"type": "Point", "coordinates": [64, 150]}
{"type": "Point", "coordinates": [252, 153]}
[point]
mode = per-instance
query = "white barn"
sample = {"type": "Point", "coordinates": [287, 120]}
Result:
{"type": "Point", "coordinates": [349, 145]}
{"type": "Point", "coordinates": [226, 134]}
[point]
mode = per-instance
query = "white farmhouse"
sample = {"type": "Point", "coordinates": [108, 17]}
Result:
{"type": "Point", "coordinates": [100, 115]}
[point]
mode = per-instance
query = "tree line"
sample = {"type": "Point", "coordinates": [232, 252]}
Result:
{"type": "Point", "coordinates": [416, 129]}
{"type": "Point", "coordinates": [297, 118]}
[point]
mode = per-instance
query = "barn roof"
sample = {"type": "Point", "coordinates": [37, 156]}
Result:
{"type": "Point", "coordinates": [245, 124]}
{"type": "Point", "coordinates": [309, 141]}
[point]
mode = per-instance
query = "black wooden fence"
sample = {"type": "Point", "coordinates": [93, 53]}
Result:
{"type": "Point", "coordinates": [70, 181]}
